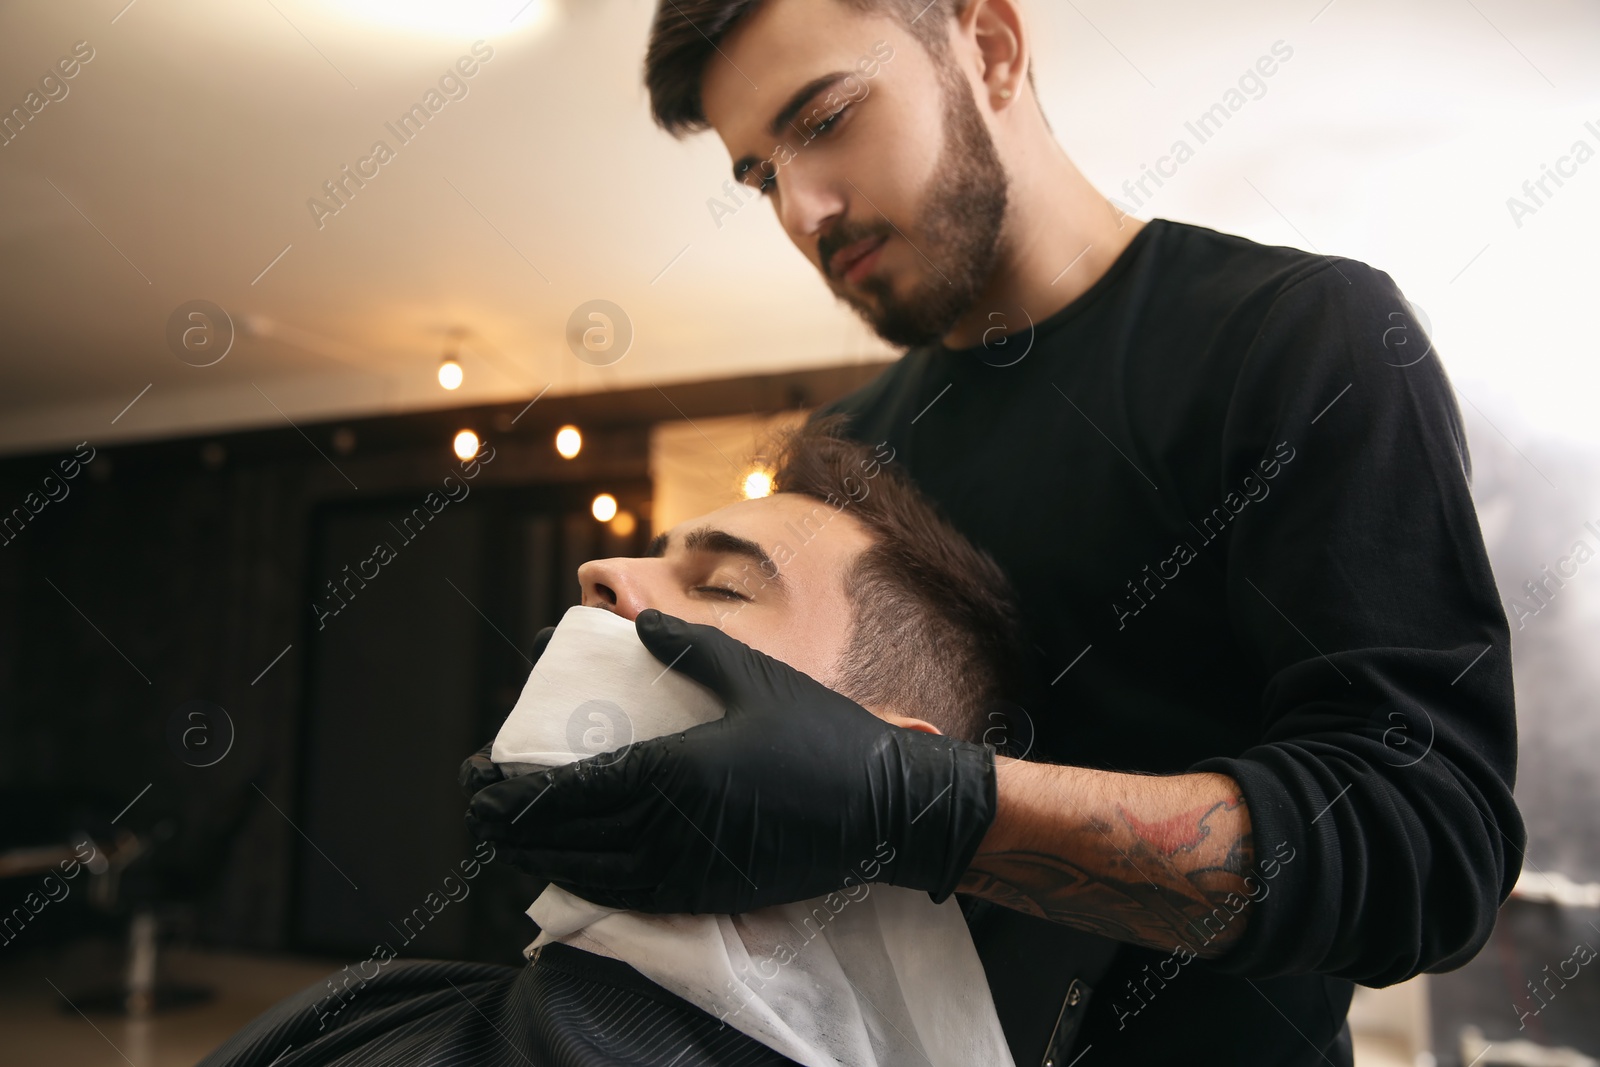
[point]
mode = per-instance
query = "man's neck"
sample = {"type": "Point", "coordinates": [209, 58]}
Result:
{"type": "Point", "coordinates": [1059, 237]}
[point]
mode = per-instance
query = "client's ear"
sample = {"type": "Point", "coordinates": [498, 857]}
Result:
{"type": "Point", "coordinates": [908, 722]}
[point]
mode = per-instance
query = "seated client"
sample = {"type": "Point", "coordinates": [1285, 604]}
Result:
{"type": "Point", "coordinates": [847, 574]}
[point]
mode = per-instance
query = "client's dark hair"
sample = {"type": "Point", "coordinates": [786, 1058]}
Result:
{"type": "Point", "coordinates": [935, 632]}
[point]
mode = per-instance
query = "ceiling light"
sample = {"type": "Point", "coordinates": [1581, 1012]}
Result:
{"type": "Point", "coordinates": [466, 445]}
{"type": "Point", "coordinates": [568, 441]}
{"type": "Point", "coordinates": [757, 483]}
{"type": "Point", "coordinates": [487, 17]}
{"type": "Point", "coordinates": [450, 373]}
{"type": "Point", "coordinates": [604, 507]}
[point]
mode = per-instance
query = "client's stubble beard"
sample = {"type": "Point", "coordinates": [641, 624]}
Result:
{"type": "Point", "coordinates": [957, 232]}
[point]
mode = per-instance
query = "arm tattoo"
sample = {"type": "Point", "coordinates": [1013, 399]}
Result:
{"type": "Point", "coordinates": [1157, 882]}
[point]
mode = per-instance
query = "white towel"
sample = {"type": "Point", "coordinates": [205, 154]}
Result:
{"type": "Point", "coordinates": [871, 976]}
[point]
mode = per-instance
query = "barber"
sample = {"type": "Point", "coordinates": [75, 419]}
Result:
{"type": "Point", "coordinates": [1274, 745]}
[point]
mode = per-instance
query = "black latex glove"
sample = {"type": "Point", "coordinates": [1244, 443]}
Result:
{"type": "Point", "coordinates": [478, 770]}
{"type": "Point", "coordinates": [796, 792]}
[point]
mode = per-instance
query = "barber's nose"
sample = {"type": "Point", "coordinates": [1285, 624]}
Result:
{"type": "Point", "coordinates": [613, 584]}
{"type": "Point", "coordinates": [806, 204]}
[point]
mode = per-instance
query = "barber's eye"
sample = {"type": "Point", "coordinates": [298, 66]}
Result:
{"type": "Point", "coordinates": [826, 124]}
{"type": "Point", "coordinates": [752, 178]}
{"type": "Point", "coordinates": [726, 593]}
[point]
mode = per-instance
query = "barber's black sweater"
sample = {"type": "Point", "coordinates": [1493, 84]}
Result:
{"type": "Point", "coordinates": [1230, 484]}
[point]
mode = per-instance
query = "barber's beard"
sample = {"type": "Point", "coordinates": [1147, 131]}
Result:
{"type": "Point", "coordinates": [956, 238]}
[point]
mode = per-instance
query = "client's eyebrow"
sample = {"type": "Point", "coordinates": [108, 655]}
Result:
{"type": "Point", "coordinates": [720, 542]}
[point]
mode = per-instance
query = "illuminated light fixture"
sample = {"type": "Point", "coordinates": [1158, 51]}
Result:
{"type": "Point", "coordinates": [568, 441]}
{"type": "Point", "coordinates": [466, 445]}
{"type": "Point", "coordinates": [604, 507]}
{"type": "Point", "coordinates": [624, 524]}
{"type": "Point", "coordinates": [449, 19]}
{"type": "Point", "coordinates": [450, 373]}
{"type": "Point", "coordinates": [757, 483]}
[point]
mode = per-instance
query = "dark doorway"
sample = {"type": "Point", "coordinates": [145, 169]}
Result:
{"type": "Point", "coordinates": [417, 655]}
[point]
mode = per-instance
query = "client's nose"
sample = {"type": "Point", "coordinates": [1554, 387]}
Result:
{"type": "Point", "coordinates": [612, 584]}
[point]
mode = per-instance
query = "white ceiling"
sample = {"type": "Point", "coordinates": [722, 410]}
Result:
{"type": "Point", "coordinates": [180, 163]}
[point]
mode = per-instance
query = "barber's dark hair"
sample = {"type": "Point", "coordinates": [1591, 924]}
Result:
{"type": "Point", "coordinates": [935, 632]}
{"type": "Point", "coordinates": [687, 33]}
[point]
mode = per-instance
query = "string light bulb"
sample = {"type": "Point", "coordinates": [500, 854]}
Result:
{"type": "Point", "coordinates": [757, 483]}
{"type": "Point", "coordinates": [465, 445]}
{"type": "Point", "coordinates": [568, 441]}
{"type": "Point", "coordinates": [450, 372]}
{"type": "Point", "coordinates": [604, 507]}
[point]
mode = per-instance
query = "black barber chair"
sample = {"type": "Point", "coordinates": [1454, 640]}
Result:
{"type": "Point", "coordinates": [144, 879]}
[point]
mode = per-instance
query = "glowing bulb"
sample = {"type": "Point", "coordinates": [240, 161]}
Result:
{"type": "Point", "coordinates": [460, 18]}
{"type": "Point", "coordinates": [450, 374]}
{"type": "Point", "coordinates": [604, 507]}
{"type": "Point", "coordinates": [624, 524]}
{"type": "Point", "coordinates": [466, 445]}
{"type": "Point", "coordinates": [568, 441]}
{"type": "Point", "coordinates": [757, 483]}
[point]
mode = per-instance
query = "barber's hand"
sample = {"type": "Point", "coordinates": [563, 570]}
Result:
{"type": "Point", "coordinates": [478, 770]}
{"type": "Point", "coordinates": [796, 792]}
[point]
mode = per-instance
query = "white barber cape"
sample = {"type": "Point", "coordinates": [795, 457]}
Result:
{"type": "Point", "coordinates": [873, 975]}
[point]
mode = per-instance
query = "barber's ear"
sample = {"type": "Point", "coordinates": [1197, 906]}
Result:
{"type": "Point", "coordinates": [909, 723]}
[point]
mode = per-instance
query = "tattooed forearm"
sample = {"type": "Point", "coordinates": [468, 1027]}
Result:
{"type": "Point", "coordinates": [1135, 858]}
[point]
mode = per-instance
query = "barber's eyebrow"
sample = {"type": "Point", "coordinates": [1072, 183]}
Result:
{"type": "Point", "coordinates": [708, 539]}
{"type": "Point", "coordinates": [787, 112]}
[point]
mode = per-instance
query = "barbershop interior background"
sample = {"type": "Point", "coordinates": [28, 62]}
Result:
{"type": "Point", "coordinates": [240, 347]}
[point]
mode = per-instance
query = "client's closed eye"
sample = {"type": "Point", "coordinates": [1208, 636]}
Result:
{"type": "Point", "coordinates": [731, 594]}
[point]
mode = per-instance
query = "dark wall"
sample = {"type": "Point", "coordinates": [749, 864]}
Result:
{"type": "Point", "coordinates": [150, 585]}
{"type": "Point", "coordinates": [197, 570]}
